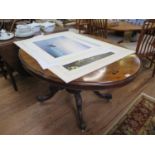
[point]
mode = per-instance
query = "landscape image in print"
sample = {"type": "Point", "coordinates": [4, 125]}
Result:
{"type": "Point", "coordinates": [86, 61]}
{"type": "Point", "coordinates": [60, 46]}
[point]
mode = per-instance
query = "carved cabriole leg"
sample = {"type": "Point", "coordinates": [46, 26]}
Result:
{"type": "Point", "coordinates": [2, 69]}
{"type": "Point", "coordinates": [78, 100]}
{"type": "Point", "coordinates": [10, 72]}
{"type": "Point", "coordinates": [52, 91]}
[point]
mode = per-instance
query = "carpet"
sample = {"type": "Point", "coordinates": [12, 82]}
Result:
{"type": "Point", "coordinates": [138, 119]}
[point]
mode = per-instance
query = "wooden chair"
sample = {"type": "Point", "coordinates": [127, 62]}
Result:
{"type": "Point", "coordinates": [144, 47]}
{"type": "Point", "coordinates": [153, 73]}
{"type": "Point", "coordinates": [82, 25]}
{"type": "Point", "coordinates": [1, 24]}
{"type": "Point", "coordinates": [98, 27]}
{"type": "Point", "coordinates": [9, 54]}
{"type": "Point", "coordinates": [5, 23]}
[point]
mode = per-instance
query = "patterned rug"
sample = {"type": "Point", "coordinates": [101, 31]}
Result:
{"type": "Point", "coordinates": [139, 119]}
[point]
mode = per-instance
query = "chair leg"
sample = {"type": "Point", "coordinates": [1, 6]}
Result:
{"type": "Point", "coordinates": [152, 60]}
{"type": "Point", "coordinates": [9, 70]}
{"type": "Point", "coordinates": [153, 71]}
{"type": "Point", "coordinates": [3, 70]}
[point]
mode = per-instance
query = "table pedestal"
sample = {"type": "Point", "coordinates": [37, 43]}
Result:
{"type": "Point", "coordinates": [78, 100]}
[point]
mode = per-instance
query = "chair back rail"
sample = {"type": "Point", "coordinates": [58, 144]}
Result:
{"type": "Point", "coordinates": [98, 27]}
{"type": "Point", "coordinates": [147, 37]}
{"type": "Point", "coordinates": [82, 25]}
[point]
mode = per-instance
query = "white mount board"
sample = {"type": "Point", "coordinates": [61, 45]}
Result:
{"type": "Point", "coordinates": [70, 55]}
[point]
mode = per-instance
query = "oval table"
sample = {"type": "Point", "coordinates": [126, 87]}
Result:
{"type": "Point", "coordinates": [127, 29]}
{"type": "Point", "coordinates": [123, 26]}
{"type": "Point", "coordinates": [114, 75]}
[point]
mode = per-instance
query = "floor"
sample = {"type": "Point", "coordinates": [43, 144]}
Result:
{"type": "Point", "coordinates": [21, 113]}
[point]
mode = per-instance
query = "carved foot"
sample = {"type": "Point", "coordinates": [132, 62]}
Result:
{"type": "Point", "coordinates": [108, 97]}
{"type": "Point", "coordinates": [51, 93]}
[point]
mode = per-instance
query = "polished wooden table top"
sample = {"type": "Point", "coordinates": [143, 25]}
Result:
{"type": "Point", "coordinates": [124, 26]}
{"type": "Point", "coordinates": [116, 74]}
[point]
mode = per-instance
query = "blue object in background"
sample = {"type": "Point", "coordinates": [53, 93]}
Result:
{"type": "Point", "coordinates": [135, 21]}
